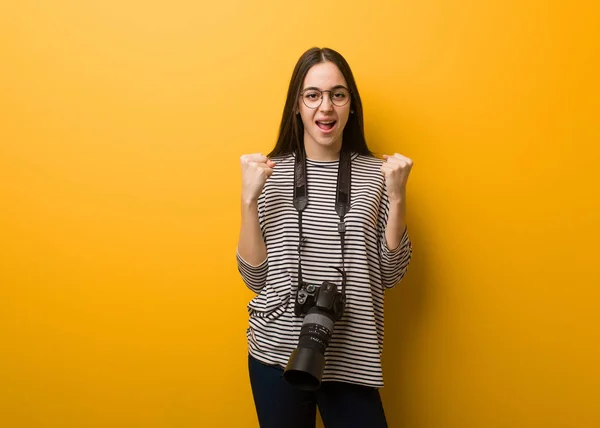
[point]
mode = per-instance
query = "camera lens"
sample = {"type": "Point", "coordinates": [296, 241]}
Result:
{"type": "Point", "coordinates": [306, 364]}
{"type": "Point", "coordinates": [315, 332]}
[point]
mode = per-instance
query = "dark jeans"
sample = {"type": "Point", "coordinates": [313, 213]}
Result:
{"type": "Point", "coordinates": [342, 405]}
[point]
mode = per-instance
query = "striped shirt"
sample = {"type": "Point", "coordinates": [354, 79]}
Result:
{"type": "Point", "coordinates": [354, 352]}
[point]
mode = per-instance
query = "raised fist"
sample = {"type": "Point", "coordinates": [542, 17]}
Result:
{"type": "Point", "coordinates": [256, 169]}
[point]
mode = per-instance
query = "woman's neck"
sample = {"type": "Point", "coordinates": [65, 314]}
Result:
{"type": "Point", "coordinates": [321, 153]}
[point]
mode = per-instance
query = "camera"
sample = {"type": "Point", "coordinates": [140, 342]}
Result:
{"type": "Point", "coordinates": [321, 307]}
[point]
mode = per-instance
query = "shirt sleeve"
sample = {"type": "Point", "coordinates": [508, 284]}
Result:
{"type": "Point", "coordinates": [255, 277]}
{"type": "Point", "coordinates": [394, 263]}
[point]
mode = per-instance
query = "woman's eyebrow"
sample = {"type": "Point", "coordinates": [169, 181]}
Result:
{"type": "Point", "coordinates": [319, 89]}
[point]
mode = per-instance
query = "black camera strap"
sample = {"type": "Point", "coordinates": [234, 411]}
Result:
{"type": "Point", "coordinates": [342, 204]}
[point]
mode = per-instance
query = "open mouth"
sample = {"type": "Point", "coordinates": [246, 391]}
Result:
{"type": "Point", "coordinates": [326, 125]}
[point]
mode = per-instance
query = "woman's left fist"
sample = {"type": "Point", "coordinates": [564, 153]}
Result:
{"type": "Point", "coordinates": [396, 169]}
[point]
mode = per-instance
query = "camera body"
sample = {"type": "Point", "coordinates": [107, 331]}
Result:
{"type": "Point", "coordinates": [324, 298]}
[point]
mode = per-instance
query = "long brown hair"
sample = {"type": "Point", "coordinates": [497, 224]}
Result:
{"type": "Point", "coordinates": [291, 130]}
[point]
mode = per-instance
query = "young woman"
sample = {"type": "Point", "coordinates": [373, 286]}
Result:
{"type": "Point", "coordinates": [280, 247]}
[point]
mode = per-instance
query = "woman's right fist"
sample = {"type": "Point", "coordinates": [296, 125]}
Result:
{"type": "Point", "coordinates": [256, 169]}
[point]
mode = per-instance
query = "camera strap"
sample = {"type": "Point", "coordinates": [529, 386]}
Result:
{"type": "Point", "coordinates": [342, 204]}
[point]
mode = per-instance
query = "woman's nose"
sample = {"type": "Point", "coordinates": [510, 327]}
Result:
{"type": "Point", "coordinates": [326, 104]}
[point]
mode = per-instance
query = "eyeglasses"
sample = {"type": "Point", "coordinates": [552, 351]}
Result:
{"type": "Point", "coordinates": [313, 98]}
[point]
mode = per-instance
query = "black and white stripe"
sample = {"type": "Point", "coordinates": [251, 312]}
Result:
{"type": "Point", "coordinates": [354, 353]}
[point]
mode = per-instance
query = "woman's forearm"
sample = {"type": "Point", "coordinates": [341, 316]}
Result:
{"type": "Point", "coordinates": [251, 246]}
{"type": "Point", "coordinates": [396, 223]}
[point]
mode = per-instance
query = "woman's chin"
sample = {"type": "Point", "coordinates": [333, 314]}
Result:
{"type": "Point", "coordinates": [328, 143]}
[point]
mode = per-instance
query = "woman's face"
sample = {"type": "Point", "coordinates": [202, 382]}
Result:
{"type": "Point", "coordinates": [324, 125]}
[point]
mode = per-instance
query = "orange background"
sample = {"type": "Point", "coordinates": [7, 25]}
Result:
{"type": "Point", "coordinates": [121, 127]}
